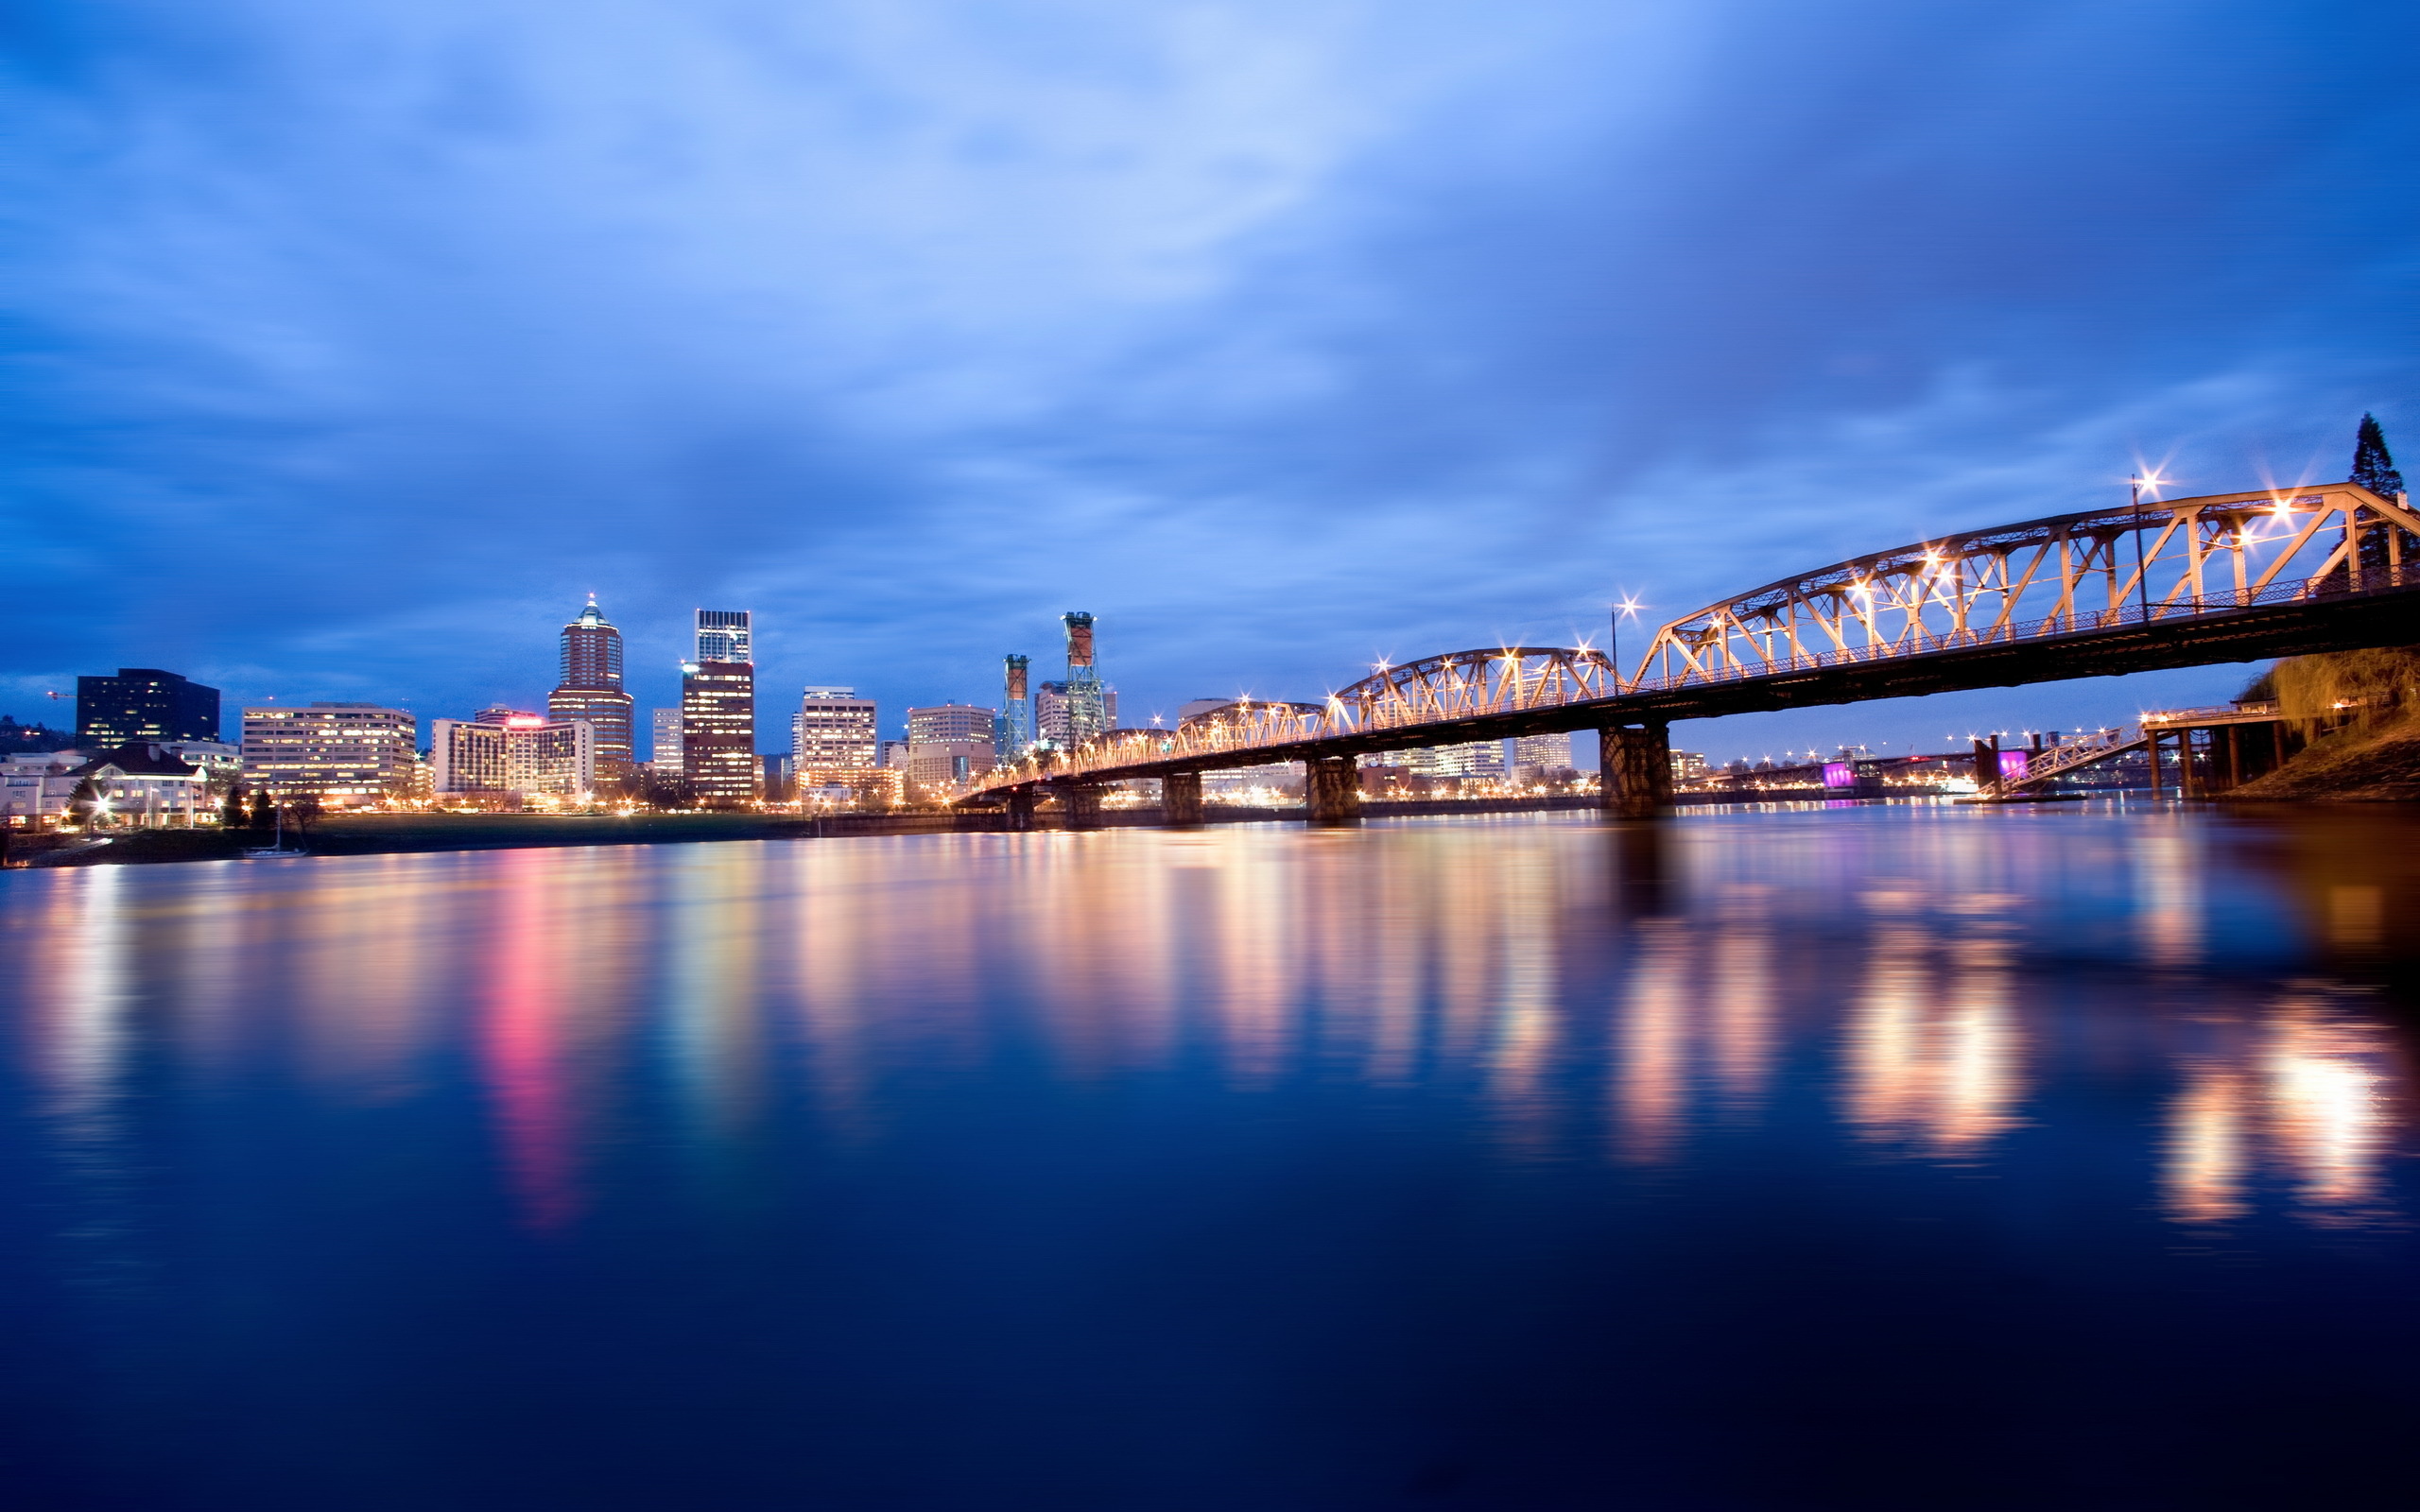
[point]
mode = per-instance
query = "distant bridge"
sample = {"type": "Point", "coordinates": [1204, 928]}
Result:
{"type": "Point", "coordinates": [2226, 577]}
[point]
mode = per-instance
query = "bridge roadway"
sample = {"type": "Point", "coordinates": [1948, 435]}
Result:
{"type": "Point", "coordinates": [2296, 571]}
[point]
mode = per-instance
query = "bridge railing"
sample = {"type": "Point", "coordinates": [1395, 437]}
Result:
{"type": "Point", "coordinates": [1261, 727]}
{"type": "Point", "coordinates": [1924, 639]}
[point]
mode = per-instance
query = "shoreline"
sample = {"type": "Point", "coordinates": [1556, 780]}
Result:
{"type": "Point", "coordinates": [424, 833]}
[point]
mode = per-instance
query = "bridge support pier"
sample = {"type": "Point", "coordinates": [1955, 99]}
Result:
{"type": "Point", "coordinates": [1021, 808]}
{"type": "Point", "coordinates": [1181, 799]}
{"type": "Point", "coordinates": [1081, 804]}
{"type": "Point", "coordinates": [1332, 790]}
{"type": "Point", "coordinates": [1636, 766]}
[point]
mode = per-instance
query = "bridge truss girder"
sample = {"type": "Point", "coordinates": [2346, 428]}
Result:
{"type": "Point", "coordinates": [2188, 582]}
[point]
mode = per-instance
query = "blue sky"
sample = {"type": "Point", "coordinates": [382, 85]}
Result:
{"type": "Point", "coordinates": [349, 347]}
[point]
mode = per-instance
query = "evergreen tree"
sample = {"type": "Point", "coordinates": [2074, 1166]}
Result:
{"type": "Point", "coordinates": [231, 812]}
{"type": "Point", "coordinates": [263, 810]}
{"type": "Point", "coordinates": [84, 803]}
{"type": "Point", "coordinates": [2373, 464]}
{"type": "Point", "coordinates": [2373, 468]}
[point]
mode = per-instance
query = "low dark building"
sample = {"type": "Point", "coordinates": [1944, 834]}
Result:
{"type": "Point", "coordinates": [143, 704]}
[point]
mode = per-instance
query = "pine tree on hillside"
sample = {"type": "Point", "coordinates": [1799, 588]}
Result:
{"type": "Point", "coordinates": [2373, 468]}
{"type": "Point", "coordinates": [2373, 464]}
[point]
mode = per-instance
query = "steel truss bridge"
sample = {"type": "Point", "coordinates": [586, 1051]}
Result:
{"type": "Point", "coordinates": [2184, 582]}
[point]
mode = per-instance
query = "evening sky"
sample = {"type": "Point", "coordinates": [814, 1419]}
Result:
{"type": "Point", "coordinates": [351, 346]}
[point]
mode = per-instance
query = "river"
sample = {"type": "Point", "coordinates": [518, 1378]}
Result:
{"type": "Point", "coordinates": [1858, 1157]}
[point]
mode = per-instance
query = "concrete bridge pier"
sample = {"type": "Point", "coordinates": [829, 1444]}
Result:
{"type": "Point", "coordinates": [1081, 804]}
{"type": "Point", "coordinates": [1332, 790]}
{"type": "Point", "coordinates": [1181, 799]}
{"type": "Point", "coordinates": [1635, 767]}
{"type": "Point", "coordinates": [1021, 808]}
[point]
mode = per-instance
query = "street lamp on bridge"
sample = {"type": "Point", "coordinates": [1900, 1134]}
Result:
{"type": "Point", "coordinates": [2136, 483]}
{"type": "Point", "coordinates": [1614, 641]}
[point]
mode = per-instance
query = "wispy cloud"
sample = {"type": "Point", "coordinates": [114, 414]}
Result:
{"type": "Point", "coordinates": [350, 345]}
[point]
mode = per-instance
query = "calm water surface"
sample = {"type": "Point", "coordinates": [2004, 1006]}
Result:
{"type": "Point", "coordinates": [1840, 1159]}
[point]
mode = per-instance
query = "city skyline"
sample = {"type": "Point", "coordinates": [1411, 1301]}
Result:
{"type": "Point", "coordinates": [1204, 391]}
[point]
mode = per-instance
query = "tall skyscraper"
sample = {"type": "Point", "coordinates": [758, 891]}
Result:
{"type": "Point", "coordinates": [723, 636]}
{"type": "Point", "coordinates": [1015, 732]}
{"type": "Point", "coordinates": [718, 712]}
{"type": "Point", "coordinates": [590, 689]}
{"type": "Point", "coordinates": [143, 703]}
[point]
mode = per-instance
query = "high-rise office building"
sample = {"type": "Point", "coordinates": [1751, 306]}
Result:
{"type": "Point", "coordinates": [346, 753]}
{"type": "Point", "coordinates": [143, 703]}
{"type": "Point", "coordinates": [665, 752]}
{"type": "Point", "coordinates": [719, 716]}
{"type": "Point", "coordinates": [1545, 753]}
{"type": "Point", "coordinates": [833, 728]}
{"type": "Point", "coordinates": [591, 690]}
{"type": "Point", "coordinates": [1014, 727]}
{"type": "Point", "coordinates": [948, 744]}
{"type": "Point", "coordinates": [724, 635]}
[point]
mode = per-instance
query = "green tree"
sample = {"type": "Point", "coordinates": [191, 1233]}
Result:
{"type": "Point", "coordinates": [231, 808]}
{"type": "Point", "coordinates": [84, 803]}
{"type": "Point", "coordinates": [2373, 468]}
{"type": "Point", "coordinates": [2373, 464]}
{"type": "Point", "coordinates": [263, 810]}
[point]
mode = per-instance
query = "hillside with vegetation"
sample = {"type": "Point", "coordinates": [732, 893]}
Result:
{"type": "Point", "coordinates": [2362, 711]}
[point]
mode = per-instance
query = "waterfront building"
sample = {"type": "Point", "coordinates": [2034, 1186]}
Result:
{"type": "Point", "coordinates": [1272, 783]}
{"type": "Point", "coordinates": [1480, 758]}
{"type": "Point", "coordinates": [146, 785]}
{"type": "Point", "coordinates": [590, 689]}
{"type": "Point", "coordinates": [143, 703]}
{"type": "Point", "coordinates": [34, 786]}
{"type": "Point", "coordinates": [949, 744]}
{"type": "Point", "coordinates": [1545, 753]}
{"type": "Point", "coordinates": [523, 755]}
{"type": "Point", "coordinates": [719, 731]}
{"type": "Point", "coordinates": [348, 755]}
{"type": "Point", "coordinates": [846, 786]}
{"type": "Point", "coordinates": [665, 753]}
{"type": "Point", "coordinates": [1688, 766]}
{"type": "Point", "coordinates": [834, 727]}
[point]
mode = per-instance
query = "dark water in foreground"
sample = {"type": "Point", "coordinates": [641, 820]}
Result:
{"type": "Point", "coordinates": [1854, 1159]}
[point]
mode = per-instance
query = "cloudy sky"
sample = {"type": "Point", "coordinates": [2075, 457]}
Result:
{"type": "Point", "coordinates": [350, 345]}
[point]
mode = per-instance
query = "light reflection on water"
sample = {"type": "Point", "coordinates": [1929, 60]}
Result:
{"type": "Point", "coordinates": [1451, 955]}
{"type": "Point", "coordinates": [2212, 1011]}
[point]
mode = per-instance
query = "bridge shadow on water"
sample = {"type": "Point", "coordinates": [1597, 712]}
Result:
{"type": "Point", "coordinates": [1909, 1156]}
